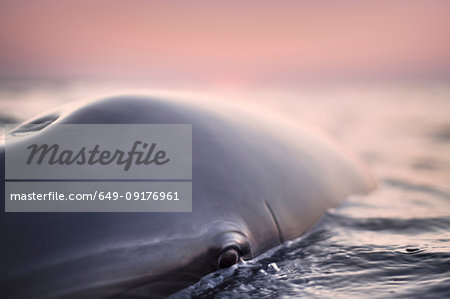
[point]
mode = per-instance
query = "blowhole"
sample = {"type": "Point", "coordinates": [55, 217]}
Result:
{"type": "Point", "coordinates": [36, 124]}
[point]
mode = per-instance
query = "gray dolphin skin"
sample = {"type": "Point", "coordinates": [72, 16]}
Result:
{"type": "Point", "coordinates": [257, 182]}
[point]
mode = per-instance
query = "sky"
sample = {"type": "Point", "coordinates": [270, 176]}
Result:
{"type": "Point", "coordinates": [224, 42]}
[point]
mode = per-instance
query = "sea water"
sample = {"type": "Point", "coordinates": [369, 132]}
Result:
{"type": "Point", "coordinates": [392, 243]}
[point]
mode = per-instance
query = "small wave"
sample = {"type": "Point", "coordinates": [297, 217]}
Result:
{"type": "Point", "coordinates": [415, 187]}
{"type": "Point", "coordinates": [414, 225]}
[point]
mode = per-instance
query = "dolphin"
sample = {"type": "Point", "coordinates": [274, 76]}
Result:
{"type": "Point", "coordinates": [258, 180]}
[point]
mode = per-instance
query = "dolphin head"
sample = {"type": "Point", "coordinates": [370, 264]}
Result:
{"type": "Point", "coordinates": [253, 188]}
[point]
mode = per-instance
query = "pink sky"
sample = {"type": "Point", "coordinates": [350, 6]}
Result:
{"type": "Point", "coordinates": [255, 41]}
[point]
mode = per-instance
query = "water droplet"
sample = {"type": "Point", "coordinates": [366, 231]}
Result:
{"type": "Point", "coordinates": [272, 268]}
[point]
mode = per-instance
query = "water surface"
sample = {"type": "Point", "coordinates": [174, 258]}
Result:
{"type": "Point", "coordinates": [392, 243]}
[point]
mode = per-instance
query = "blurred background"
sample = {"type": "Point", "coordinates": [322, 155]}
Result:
{"type": "Point", "coordinates": [330, 63]}
{"type": "Point", "coordinates": [220, 47]}
{"type": "Point", "coordinates": [373, 74]}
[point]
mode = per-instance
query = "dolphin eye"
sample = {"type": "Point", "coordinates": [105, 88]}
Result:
{"type": "Point", "coordinates": [228, 258]}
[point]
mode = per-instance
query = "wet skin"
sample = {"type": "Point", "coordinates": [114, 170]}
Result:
{"type": "Point", "coordinates": [256, 183]}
